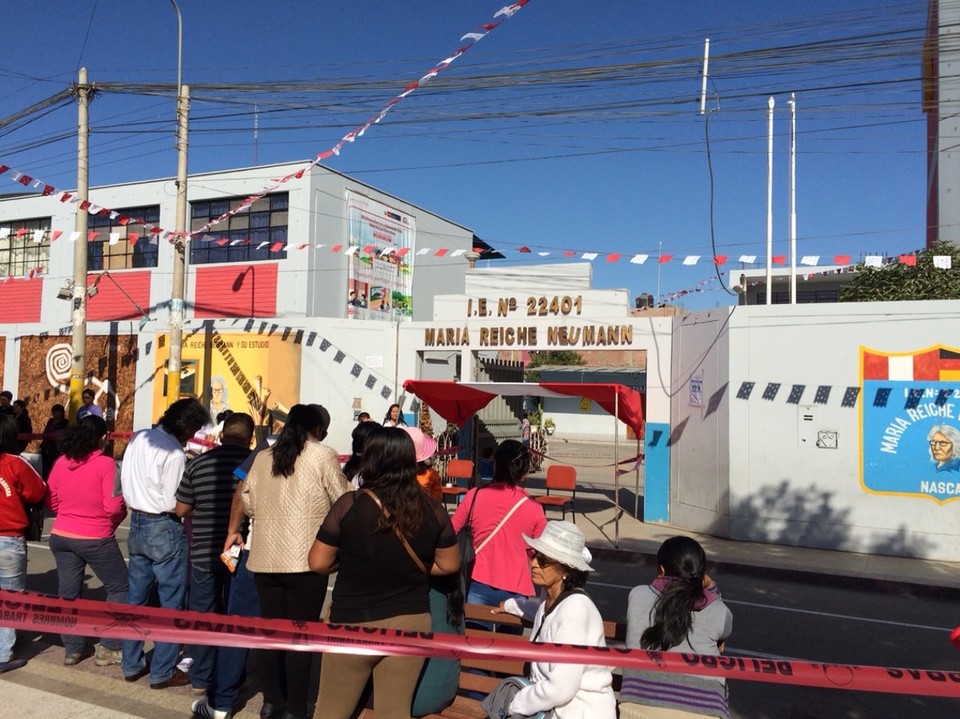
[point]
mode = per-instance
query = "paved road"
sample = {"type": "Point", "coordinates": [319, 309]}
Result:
{"type": "Point", "coordinates": [796, 619]}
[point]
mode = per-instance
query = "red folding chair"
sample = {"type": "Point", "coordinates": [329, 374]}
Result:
{"type": "Point", "coordinates": [563, 478]}
{"type": "Point", "coordinates": [457, 469]}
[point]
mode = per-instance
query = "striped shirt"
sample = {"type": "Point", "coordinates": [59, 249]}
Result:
{"type": "Point", "coordinates": [208, 484]}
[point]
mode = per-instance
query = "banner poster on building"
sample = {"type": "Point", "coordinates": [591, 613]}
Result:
{"type": "Point", "coordinates": [111, 370]}
{"type": "Point", "coordinates": [910, 422]}
{"type": "Point", "coordinates": [380, 260]}
{"type": "Point", "coordinates": [246, 372]}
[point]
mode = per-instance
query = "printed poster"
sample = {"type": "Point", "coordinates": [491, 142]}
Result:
{"type": "Point", "coordinates": [380, 261]}
{"type": "Point", "coordinates": [910, 422]}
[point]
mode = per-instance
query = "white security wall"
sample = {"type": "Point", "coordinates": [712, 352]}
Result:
{"type": "Point", "coordinates": [772, 481]}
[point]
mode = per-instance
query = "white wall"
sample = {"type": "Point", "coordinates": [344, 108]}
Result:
{"type": "Point", "coordinates": [782, 487]}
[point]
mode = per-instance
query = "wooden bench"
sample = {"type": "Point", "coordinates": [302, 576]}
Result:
{"type": "Point", "coordinates": [473, 685]}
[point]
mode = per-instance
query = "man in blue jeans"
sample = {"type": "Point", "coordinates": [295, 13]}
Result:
{"type": "Point", "coordinates": [157, 545]}
{"type": "Point", "coordinates": [205, 494]}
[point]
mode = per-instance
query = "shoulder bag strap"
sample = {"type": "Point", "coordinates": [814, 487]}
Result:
{"type": "Point", "coordinates": [499, 526]}
{"type": "Point", "coordinates": [396, 529]}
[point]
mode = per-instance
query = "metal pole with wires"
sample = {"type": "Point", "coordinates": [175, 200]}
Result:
{"type": "Point", "coordinates": [793, 198]}
{"type": "Point", "coordinates": [180, 229]}
{"type": "Point", "coordinates": [770, 104]}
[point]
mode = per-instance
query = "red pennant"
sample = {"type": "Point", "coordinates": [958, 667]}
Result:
{"type": "Point", "coordinates": [21, 232]}
{"type": "Point", "coordinates": [48, 190]}
{"type": "Point", "coordinates": [369, 249]}
{"type": "Point", "coordinates": [908, 260]}
{"type": "Point", "coordinates": [402, 252]}
{"type": "Point", "coordinates": [336, 248]}
{"type": "Point", "coordinates": [54, 235]}
{"type": "Point", "coordinates": [65, 197]}
{"type": "Point", "coordinates": [4, 168]}
{"type": "Point", "coordinates": [615, 257]}
{"type": "Point", "coordinates": [569, 253]}
{"type": "Point", "coordinates": [222, 241]}
{"type": "Point", "coordinates": [92, 236]}
{"type": "Point", "coordinates": [277, 246]}
{"type": "Point", "coordinates": [300, 247]}
{"type": "Point", "coordinates": [441, 252]}
{"type": "Point", "coordinates": [25, 180]}
{"type": "Point", "coordinates": [132, 238]}
{"type": "Point", "coordinates": [779, 259]}
{"type": "Point", "coordinates": [721, 260]}
{"type": "Point", "coordinates": [123, 220]}
{"type": "Point", "coordinates": [85, 205]}
{"type": "Point", "coordinates": [523, 249]}
{"type": "Point", "coordinates": [664, 259]}
{"type": "Point", "coordinates": [841, 260]}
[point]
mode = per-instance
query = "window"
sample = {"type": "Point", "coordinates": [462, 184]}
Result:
{"type": "Point", "coordinates": [245, 237]}
{"type": "Point", "coordinates": [20, 252]}
{"type": "Point", "coordinates": [122, 247]}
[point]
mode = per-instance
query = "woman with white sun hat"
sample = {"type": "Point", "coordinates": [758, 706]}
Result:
{"type": "Point", "coordinates": [563, 614]}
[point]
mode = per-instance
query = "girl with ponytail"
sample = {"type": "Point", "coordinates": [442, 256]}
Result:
{"type": "Point", "coordinates": [679, 611]}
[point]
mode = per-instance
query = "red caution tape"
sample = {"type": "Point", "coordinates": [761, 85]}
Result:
{"type": "Point", "coordinates": [24, 610]}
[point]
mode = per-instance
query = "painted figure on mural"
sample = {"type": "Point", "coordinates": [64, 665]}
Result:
{"type": "Point", "coordinates": [945, 447]}
{"type": "Point", "coordinates": [218, 396]}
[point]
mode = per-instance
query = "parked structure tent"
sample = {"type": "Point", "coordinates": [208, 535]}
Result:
{"type": "Point", "coordinates": [458, 401]}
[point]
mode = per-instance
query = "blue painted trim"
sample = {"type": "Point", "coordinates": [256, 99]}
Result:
{"type": "Point", "coordinates": [656, 483]}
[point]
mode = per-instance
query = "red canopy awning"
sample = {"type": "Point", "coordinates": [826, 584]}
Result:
{"type": "Point", "coordinates": [458, 401]}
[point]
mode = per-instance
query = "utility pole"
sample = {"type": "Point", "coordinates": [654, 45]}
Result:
{"type": "Point", "coordinates": [180, 230]}
{"type": "Point", "coordinates": [78, 372]}
{"type": "Point", "coordinates": [793, 198]}
{"type": "Point", "coordinates": [770, 105]}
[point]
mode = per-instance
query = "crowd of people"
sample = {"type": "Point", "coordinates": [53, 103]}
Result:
{"type": "Point", "coordinates": [257, 532]}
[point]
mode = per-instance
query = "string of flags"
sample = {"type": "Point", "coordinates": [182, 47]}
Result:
{"type": "Point", "coordinates": [39, 236]}
{"type": "Point", "coordinates": [469, 39]}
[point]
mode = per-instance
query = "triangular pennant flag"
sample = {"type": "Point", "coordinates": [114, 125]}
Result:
{"type": "Point", "coordinates": [639, 259]}
{"type": "Point", "coordinates": [719, 260]}
{"type": "Point", "coordinates": [691, 259]}
{"type": "Point", "coordinates": [424, 251]}
{"type": "Point", "coordinates": [664, 259]}
{"type": "Point", "coordinates": [277, 246]}
{"type": "Point", "coordinates": [368, 250]}
{"type": "Point", "coordinates": [441, 252]}
{"type": "Point", "coordinates": [21, 232]}
{"type": "Point", "coordinates": [569, 253]}
{"type": "Point", "coordinates": [38, 236]}
{"type": "Point", "coordinates": [748, 259]}
{"type": "Point", "coordinates": [352, 250]}
{"type": "Point", "coordinates": [262, 245]}
{"type": "Point", "coordinates": [873, 261]}
{"type": "Point", "coordinates": [812, 260]}
{"type": "Point", "coordinates": [92, 236]}
{"type": "Point", "coordinates": [336, 248]}
{"type": "Point", "coordinates": [841, 259]}
{"type": "Point", "coordinates": [132, 238]}
{"type": "Point", "coordinates": [589, 256]}
{"type": "Point", "coordinates": [114, 238]}
{"type": "Point", "coordinates": [614, 257]}
{"type": "Point", "coordinates": [225, 240]}
{"type": "Point", "coordinates": [457, 253]}
{"type": "Point", "coordinates": [942, 262]}
{"type": "Point", "coordinates": [910, 260]}
{"type": "Point", "coordinates": [74, 236]}
{"type": "Point", "coordinates": [779, 259]}
{"type": "Point", "coordinates": [55, 235]}
{"type": "Point", "coordinates": [303, 246]}
{"type": "Point", "coordinates": [4, 233]}
{"type": "Point", "coordinates": [523, 249]}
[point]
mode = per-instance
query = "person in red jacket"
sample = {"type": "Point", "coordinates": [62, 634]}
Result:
{"type": "Point", "coordinates": [19, 483]}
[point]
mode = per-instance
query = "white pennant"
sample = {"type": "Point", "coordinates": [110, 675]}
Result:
{"type": "Point", "coordinates": [750, 259]}
{"type": "Point", "coordinates": [691, 259]}
{"type": "Point", "coordinates": [588, 256]}
{"type": "Point", "coordinates": [873, 261]}
{"type": "Point", "coordinates": [812, 260]}
{"type": "Point", "coordinates": [639, 259]}
{"type": "Point", "coordinates": [114, 238]}
{"type": "Point", "coordinates": [38, 236]}
{"type": "Point", "coordinates": [942, 262]}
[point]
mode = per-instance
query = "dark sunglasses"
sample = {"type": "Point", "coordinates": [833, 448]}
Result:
{"type": "Point", "coordinates": [540, 558]}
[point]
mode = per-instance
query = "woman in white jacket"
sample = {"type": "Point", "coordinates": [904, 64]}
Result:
{"type": "Point", "coordinates": [559, 565]}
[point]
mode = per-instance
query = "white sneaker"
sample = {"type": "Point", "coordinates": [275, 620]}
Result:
{"type": "Point", "coordinates": [203, 710]}
{"type": "Point", "coordinates": [107, 657]}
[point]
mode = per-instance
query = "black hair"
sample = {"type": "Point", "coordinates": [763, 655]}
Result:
{"type": "Point", "coordinates": [574, 578]}
{"type": "Point", "coordinates": [21, 404]}
{"type": "Point", "coordinates": [184, 417]}
{"type": "Point", "coordinates": [301, 421]}
{"type": "Point", "coordinates": [55, 407]}
{"type": "Point", "coordinates": [685, 563]}
{"type": "Point", "coordinates": [400, 421]}
{"type": "Point", "coordinates": [238, 425]}
{"type": "Point", "coordinates": [8, 435]}
{"type": "Point", "coordinates": [389, 469]}
{"type": "Point", "coordinates": [222, 416]}
{"type": "Point", "coordinates": [358, 436]}
{"type": "Point", "coordinates": [8, 394]}
{"type": "Point", "coordinates": [511, 462]}
{"type": "Point", "coordinates": [81, 439]}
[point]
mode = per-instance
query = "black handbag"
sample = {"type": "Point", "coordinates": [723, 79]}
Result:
{"type": "Point", "coordinates": [468, 553]}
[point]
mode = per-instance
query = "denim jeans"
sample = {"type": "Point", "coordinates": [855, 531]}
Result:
{"type": "Point", "coordinates": [209, 590]}
{"type": "Point", "coordinates": [13, 574]}
{"type": "Point", "coordinates": [72, 557]}
{"type": "Point", "coordinates": [157, 550]}
{"type": "Point", "coordinates": [480, 593]}
{"type": "Point", "coordinates": [232, 661]}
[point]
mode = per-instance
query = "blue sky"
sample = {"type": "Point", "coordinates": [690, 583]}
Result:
{"type": "Point", "coordinates": [574, 126]}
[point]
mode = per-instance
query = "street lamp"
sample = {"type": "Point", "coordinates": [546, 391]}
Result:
{"type": "Point", "coordinates": [180, 230]}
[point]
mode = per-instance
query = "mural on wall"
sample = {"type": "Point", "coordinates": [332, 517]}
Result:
{"type": "Point", "coordinates": [380, 268]}
{"type": "Point", "coordinates": [111, 369]}
{"type": "Point", "coordinates": [254, 373]}
{"type": "Point", "coordinates": [910, 422]}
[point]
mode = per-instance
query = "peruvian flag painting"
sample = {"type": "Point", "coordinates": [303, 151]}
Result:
{"type": "Point", "coordinates": [910, 422]}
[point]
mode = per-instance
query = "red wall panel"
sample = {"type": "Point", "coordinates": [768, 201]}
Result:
{"type": "Point", "coordinates": [111, 304]}
{"type": "Point", "coordinates": [20, 300]}
{"type": "Point", "coordinates": [236, 291]}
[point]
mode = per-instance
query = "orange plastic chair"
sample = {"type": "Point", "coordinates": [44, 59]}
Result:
{"type": "Point", "coordinates": [561, 477]}
{"type": "Point", "coordinates": [458, 469]}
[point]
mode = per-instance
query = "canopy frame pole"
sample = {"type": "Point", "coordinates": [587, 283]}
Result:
{"type": "Point", "coordinates": [616, 468]}
{"type": "Point", "coordinates": [636, 483]}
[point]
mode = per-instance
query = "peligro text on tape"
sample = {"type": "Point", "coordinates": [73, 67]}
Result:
{"type": "Point", "coordinates": [25, 610]}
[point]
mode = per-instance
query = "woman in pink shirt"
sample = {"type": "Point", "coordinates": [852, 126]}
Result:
{"type": "Point", "coordinates": [81, 491]}
{"type": "Point", "coordinates": [502, 569]}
